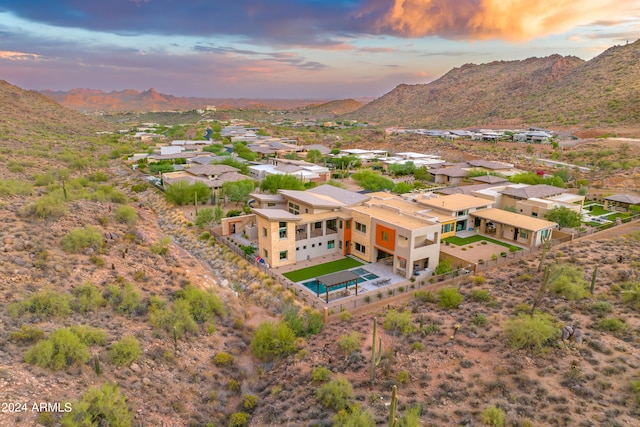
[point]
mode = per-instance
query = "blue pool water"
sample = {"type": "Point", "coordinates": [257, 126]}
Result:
{"type": "Point", "coordinates": [319, 288]}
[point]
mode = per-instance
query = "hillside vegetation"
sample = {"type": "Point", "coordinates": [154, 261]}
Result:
{"type": "Point", "coordinates": [550, 91]}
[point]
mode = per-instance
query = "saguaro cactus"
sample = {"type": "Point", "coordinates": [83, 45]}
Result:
{"type": "Point", "coordinates": [593, 279]}
{"type": "Point", "coordinates": [375, 356]}
{"type": "Point", "coordinates": [393, 421]}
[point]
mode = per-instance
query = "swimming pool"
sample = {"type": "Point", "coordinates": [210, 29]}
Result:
{"type": "Point", "coordinates": [320, 288]}
{"type": "Point", "coordinates": [365, 274]}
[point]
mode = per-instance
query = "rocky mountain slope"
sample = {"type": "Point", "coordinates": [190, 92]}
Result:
{"type": "Point", "coordinates": [550, 91]}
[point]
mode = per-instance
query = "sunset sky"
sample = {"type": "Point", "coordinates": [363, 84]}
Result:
{"type": "Point", "coordinates": [287, 48]}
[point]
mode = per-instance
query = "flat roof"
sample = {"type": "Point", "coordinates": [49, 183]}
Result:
{"type": "Point", "coordinates": [315, 200]}
{"type": "Point", "coordinates": [455, 202]}
{"type": "Point", "coordinates": [404, 220]}
{"type": "Point", "coordinates": [514, 219]}
{"type": "Point", "coordinates": [338, 278]}
{"type": "Point", "coordinates": [276, 214]}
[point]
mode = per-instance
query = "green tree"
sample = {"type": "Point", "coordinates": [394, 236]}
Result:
{"type": "Point", "coordinates": [564, 217]}
{"type": "Point", "coordinates": [350, 342]}
{"type": "Point", "coordinates": [354, 416]}
{"type": "Point", "coordinates": [205, 217]}
{"type": "Point", "coordinates": [493, 416]}
{"type": "Point", "coordinates": [203, 305]}
{"type": "Point", "coordinates": [449, 298]}
{"type": "Point", "coordinates": [243, 167]}
{"type": "Point", "coordinates": [422, 174]}
{"type": "Point", "coordinates": [372, 181]}
{"type": "Point", "coordinates": [444, 267]}
{"type": "Point", "coordinates": [398, 322]}
{"type": "Point", "coordinates": [63, 348]}
{"type": "Point", "coordinates": [103, 406]}
{"type": "Point", "coordinates": [183, 193]}
{"type": "Point", "coordinates": [314, 156]}
{"type": "Point", "coordinates": [568, 281]}
{"type": "Point", "coordinates": [238, 191]}
{"type": "Point", "coordinates": [273, 183]}
{"type": "Point", "coordinates": [402, 187]}
{"type": "Point", "coordinates": [531, 332]}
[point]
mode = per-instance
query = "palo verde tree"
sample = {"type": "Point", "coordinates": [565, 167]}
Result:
{"type": "Point", "coordinates": [564, 217]}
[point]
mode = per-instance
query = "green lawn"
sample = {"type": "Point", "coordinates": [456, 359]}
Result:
{"type": "Point", "coordinates": [321, 269]}
{"type": "Point", "coordinates": [460, 241]}
{"type": "Point", "coordinates": [597, 210]}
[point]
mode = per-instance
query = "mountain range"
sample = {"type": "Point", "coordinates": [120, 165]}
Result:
{"type": "Point", "coordinates": [549, 91]}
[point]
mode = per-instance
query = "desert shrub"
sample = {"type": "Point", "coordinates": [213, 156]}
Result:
{"type": "Point", "coordinates": [108, 193]}
{"type": "Point", "coordinates": [612, 324]}
{"type": "Point", "coordinates": [398, 322]}
{"type": "Point", "coordinates": [402, 377]}
{"type": "Point", "coordinates": [98, 176]}
{"type": "Point", "coordinates": [161, 247]}
{"type": "Point", "coordinates": [63, 348]}
{"type": "Point", "coordinates": [239, 419]}
{"type": "Point", "coordinates": [336, 394]}
{"type": "Point", "coordinates": [449, 298]}
{"type": "Point", "coordinates": [635, 389]}
{"type": "Point", "coordinates": [87, 298]}
{"type": "Point", "coordinates": [530, 332]}
{"type": "Point", "coordinates": [27, 334]}
{"type": "Point", "coordinates": [103, 406]}
{"type": "Point", "coordinates": [320, 374]}
{"type": "Point", "coordinates": [350, 342]}
{"type": "Point", "coordinates": [411, 417]}
{"type": "Point", "coordinates": [271, 341]}
{"type": "Point", "coordinates": [568, 281]}
{"type": "Point", "coordinates": [303, 323]}
{"type": "Point", "coordinates": [82, 238]}
{"type": "Point", "coordinates": [203, 305]}
{"type": "Point", "coordinates": [600, 308]}
{"type": "Point", "coordinates": [480, 295]}
{"type": "Point", "coordinates": [479, 280]}
{"type": "Point", "coordinates": [176, 319]}
{"type": "Point", "coordinates": [493, 416]}
{"type": "Point", "coordinates": [126, 215]}
{"type": "Point", "coordinates": [425, 296]}
{"type": "Point", "coordinates": [479, 319]}
{"type": "Point", "coordinates": [44, 304]}
{"type": "Point", "coordinates": [126, 300]}
{"type": "Point", "coordinates": [249, 401]}
{"type": "Point", "coordinates": [89, 335]}
{"type": "Point", "coordinates": [417, 346]}
{"type": "Point", "coordinates": [354, 416]}
{"type": "Point", "coordinates": [222, 359]}
{"type": "Point", "coordinates": [125, 351]}
{"type": "Point", "coordinates": [139, 188]}
{"type": "Point", "coordinates": [631, 294]}
{"type": "Point", "coordinates": [430, 328]}
{"type": "Point", "coordinates": [13, 187]}
{"type": "Point", "coordinates": [345, 316]}
{"type": "Point", "coordinates": [444, 267]}
{"type": "Point", "coordinates": [205, 217]}
{"type": "Point", "coordinates": [43, 179]}
{"type": "Point", "coordinates": [46, 207]}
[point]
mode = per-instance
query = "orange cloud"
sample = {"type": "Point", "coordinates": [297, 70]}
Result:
{"type": "Point", "coordinates": [18, 56]}
{"type": "Point", "coordinates": [515, 20]}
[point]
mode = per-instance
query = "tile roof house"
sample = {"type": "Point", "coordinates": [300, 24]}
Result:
{"type": "Point", "coordinates": [511, 226]}
{"type": "Point", "coordinates": [214, 176]}
{"type": "Point", "coordinates": [621, 201]}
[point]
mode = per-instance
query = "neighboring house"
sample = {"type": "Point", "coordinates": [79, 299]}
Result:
{"type": "Point", "coordinates": [621, 201]}
{"type": "Point", "coordinates": [454, 175]}
{"type": "Point", "coordinates": [489, 179]}
{"type": "Point", "coordinates": [214, 176]}
{"type": "Point", "coordinates": [449, 176]}
{"type": "Point", "coordinates": [418, 159]}
{"type": "Point", "coordinates": [302, 170]}
{"type": "Point", "coordinates": [453, 210]}
{"type": "Point", "coordinates": [365, 156]}
{"type": "Point", "coordinates": [520, 229]}
{"type": "Point", "coordinates": [537, 200]}
{"type": "Point", "coordinates": [533, 137]}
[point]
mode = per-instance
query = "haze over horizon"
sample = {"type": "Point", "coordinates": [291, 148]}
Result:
{"type": "Point", "coordinates": [327, 49]}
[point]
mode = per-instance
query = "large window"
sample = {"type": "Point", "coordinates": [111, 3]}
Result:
{"type": "Point", "coordinates": [385, 236]}
{"type": "Point", "coordinates": [282, 230]}
{"type": "Point", "coordinates": [524, 234]}
{"type": "Point", "coordinates": [331, 244]}
{"type": "Point", "coordinates": [283, 255]}
{"type": "Point", "coordinates": [361, 227]}
{"type": "Point", "coordinates": [361, 248]}
{"type": "Point", "coordinates": [294, 208]}
{"type": "Point", "coordinates": [446, 228]}
{"type": "Point", "coordinates": [331, 226]}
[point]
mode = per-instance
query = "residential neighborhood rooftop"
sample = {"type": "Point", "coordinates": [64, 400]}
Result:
{"type": "Point", "coordinates": [533, 191]}
{"type": "Point", "coordinates": [514, 219]}
{"type": "Point", "coordinates": [454, 202]}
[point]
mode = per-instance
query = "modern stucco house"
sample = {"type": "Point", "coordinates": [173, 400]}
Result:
{"type": "Point", "coordinates": [511, 226]}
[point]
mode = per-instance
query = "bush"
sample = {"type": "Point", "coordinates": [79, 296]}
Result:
{"type": "Point", "coordinates": [249, 401]}
{"type": "Point", "coordinates": [222, 359]}
{"type": "Point", "coordinates": [44, 304]}
{"type": "Point", "coordinates": [402, 377]}
{"type": "Point", "coordinates": [303, 323]}
{"type": "Point", "coordinates": [100, 406]}
{"type": "Point", "coordinates": [635, 389]}
{"type": "Point", "coordinates": [27, 334]}
{"type": "Point", "coordinates": [271, 341]}
{"type": "Point", "coordinates": [345, 316]}
{"type": "Point", "coordinates": [425, 296]}
{"type": "Point", "coordinates": [493, 416]}
{"type": "Point", "coordinates": [82, 238]}
{"type": "Point", "coordinates": [612, 324]}
{"type": "Point", "coordinates": [444, 267]}
{"type": "Point", "coordinates": [88, 298]}
{"type": "Point", "coordinates": [350, 342]}
{"type": "Point", "coordinates": [335, 394]}
{"type": "Point", "coordinates": [174, 320]}
{"type": "Point", "coordinates": [125, 351]}
{"type": "Point", "coordinates": [89, 335]}
{"type": "Point", "coordinates": [568, 281]}
{"type": "Point", "coordinates": [600, 308]}
{"type": "Point", "coordinates": [161, 247]}
{"type": "Point", "coordinates": [395, 321]}
{"type": "Point", "coordinates": [449, 298]}
{"type": "Point", "coordinates": [411, 417]}
{"type": "Point", "coordinates": [46, 207]}
{"type": "Point", "coordinates": [354, 416]}
{"type": "Point", "coordinates": [203, 305]}
{"type": "Point", "coordinates": [126, 215]}
{"type": "Point", "coordinates": [239, 419]}
{"type": "Point", "coordinates": [480, 295]}
{"type": "Point", "coordinates": [320, 374]}
{"type": "Point", "coordinates": [529, 332]}
{"type": "Point", "coordinates": [631, 294]}
{"type": "Point", "coordinates": [479, 319]}
{"type": "Point", "coordinates": [63, 348]}
{"type": "Point", "coordinates": [126, 300]}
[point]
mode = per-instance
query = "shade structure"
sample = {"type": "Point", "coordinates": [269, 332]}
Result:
{"type": "Point", "coordinates": [338, 279]}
